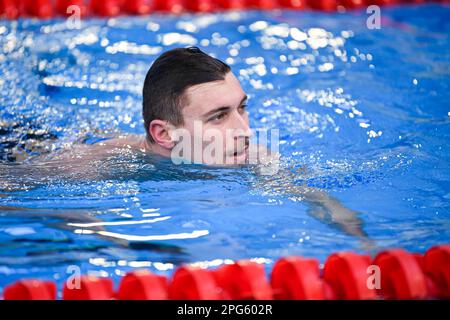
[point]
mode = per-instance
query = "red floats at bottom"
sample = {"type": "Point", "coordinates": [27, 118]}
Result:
{"type": "Point", "coordinates": [297, 278]}
{"type": "Point", "coordinates": [393, 274]}
{"type": "Point", "coordinates": [401, 275]}
{"type": "Point", "coordinates": [88, 288]}
{"type": "Point", "coordinates": [244, 280]}
{"type": "Point", "coordinates": [31, 290]}
{"type": "Point", "coordinates": [143, 285]}
{"type": "Point", "coordinates": [347, 274]}
{"type": "Point", "coordinates": [194, 284]}
{"type": "Point", "coordinates": [436, 264]}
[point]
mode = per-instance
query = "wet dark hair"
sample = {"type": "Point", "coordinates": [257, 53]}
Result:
{"type": "Point", "coordinates": [170, 75]}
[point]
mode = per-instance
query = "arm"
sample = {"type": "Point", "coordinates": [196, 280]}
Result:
{"type": "Point", "coordinates": [331, 210]}
{"type": "Point", "coordinates": [321, 205]}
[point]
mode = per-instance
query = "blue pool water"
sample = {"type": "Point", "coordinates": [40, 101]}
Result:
{"type": "Point", "coordinates": [366, 112]}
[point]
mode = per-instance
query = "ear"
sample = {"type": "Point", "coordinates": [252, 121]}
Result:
{"type": "Point", "coordinates": [160, 131]}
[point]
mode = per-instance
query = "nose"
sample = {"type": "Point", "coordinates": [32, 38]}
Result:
{"type": "Point", "coordinates": [241, 126]}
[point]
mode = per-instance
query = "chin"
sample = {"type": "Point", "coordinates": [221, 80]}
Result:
{"type": "Point", "coordinates": [237, 160]}
{"type": "Point", "coordinates": [229, 162]}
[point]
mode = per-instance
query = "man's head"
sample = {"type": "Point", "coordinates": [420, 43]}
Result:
{"type": "Point", "coordinates": [185, 88]}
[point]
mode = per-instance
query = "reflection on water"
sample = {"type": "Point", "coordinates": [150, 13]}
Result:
{"type": "Point", "coordinates": [363, 114]}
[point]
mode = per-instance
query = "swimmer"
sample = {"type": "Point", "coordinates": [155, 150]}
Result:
{"type": "Point", "coordinates": [185, 86]}
{"type": "Point", "coordinates": [191, 94]}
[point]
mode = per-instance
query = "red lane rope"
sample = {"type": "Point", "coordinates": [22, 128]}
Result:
{"type": "Point", "coordinates": [345, 275]}
{"type": "Point", "coordinates": [44, 9]}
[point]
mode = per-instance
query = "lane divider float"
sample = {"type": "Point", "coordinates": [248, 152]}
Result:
{"type": "Point", "coordinates": [344, 276]}
{"type": "Point", "coordinates": [45, 9]}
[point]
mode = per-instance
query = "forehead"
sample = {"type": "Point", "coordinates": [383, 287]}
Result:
{"type": "Point", "coordinates": [208, 96]}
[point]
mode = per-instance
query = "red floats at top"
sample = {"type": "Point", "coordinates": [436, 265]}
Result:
{"type": "Point", "coordinates": [13, 9]}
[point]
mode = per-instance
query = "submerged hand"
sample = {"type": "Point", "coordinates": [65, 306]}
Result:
{"type": "Point", "coordinates": [345, 219]}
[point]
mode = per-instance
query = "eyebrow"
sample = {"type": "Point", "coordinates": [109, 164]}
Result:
{"type": "Point", "coordinates": [222, 109]}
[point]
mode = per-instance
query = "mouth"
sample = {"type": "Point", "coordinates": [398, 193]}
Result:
{"type": "Point", "coordinates": [241, 154]}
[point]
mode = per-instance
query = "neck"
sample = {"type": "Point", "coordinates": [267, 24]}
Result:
{"type": "Point", "coordinates": [155, 148]}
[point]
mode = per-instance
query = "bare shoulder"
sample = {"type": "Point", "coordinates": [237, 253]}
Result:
{"type": "Point", "coordinates": [99, 150]}
{"type": "Point", "coordinates": [124, 141]}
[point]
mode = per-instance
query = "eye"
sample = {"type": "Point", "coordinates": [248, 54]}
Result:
{"type": "Point", "coordinates": [242, 108]}
{"type": "Point", "coordinates": [218, 116]}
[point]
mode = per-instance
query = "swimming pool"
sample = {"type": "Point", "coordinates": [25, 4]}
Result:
{"type": "Point", "coordinates": [364, 111]}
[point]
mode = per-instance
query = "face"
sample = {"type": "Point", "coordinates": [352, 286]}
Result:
{"type": "Point", "coordinates": [215, 116]}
